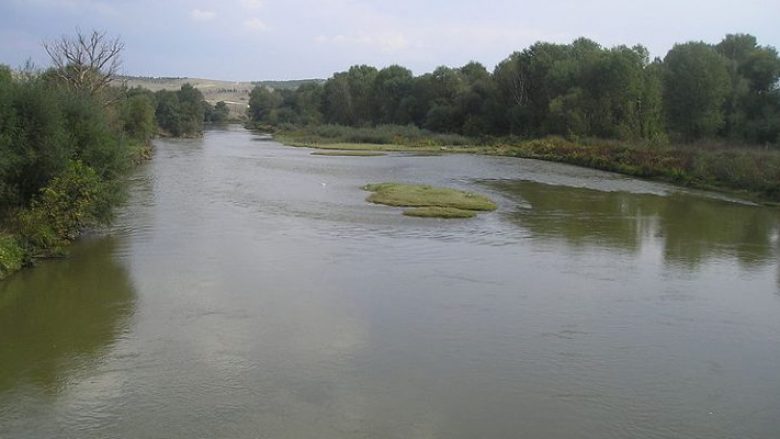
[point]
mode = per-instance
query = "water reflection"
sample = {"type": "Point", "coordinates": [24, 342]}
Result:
{"type": "Point", "coordinates": [264, 304]}
{"type": "Point", "coordinates": [690, 229]}
{"type": "Point", "coordinates": [62, 316]}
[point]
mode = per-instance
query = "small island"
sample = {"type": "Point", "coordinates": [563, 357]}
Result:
{"type": "Point", "coordinates": [429, 201]}
{"type": "Point", "coordinates": [349, 153]}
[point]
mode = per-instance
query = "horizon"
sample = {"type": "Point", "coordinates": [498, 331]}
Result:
{"type": "Point", "coordinates": [263, 40]}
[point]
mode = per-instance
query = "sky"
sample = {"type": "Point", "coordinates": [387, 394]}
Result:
{"type": "Point", "coordinates": [242, 40]}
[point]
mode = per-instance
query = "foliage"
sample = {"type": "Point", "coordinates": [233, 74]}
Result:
{"type": "Point", "coordinates": [219, 113]}
{"type": "Point", "coordinates": [262, 102]}
{"type": "Point", "coordinates": [138, 117]}
{"type": "Point", "coordinates": [63, 155]}
{"type": "Point", "coordinates": [34, 141]}
{"type": "Point", "coordinates": [180, 113]}
{"type": "Point", "coordinates": [696, 86]}
{"type": "Point", "coordinates": [752, 110]}
{"type": "Point", "coordinates": [751, 171]}
{"type": "Point", "coordinates": [11, 255]}
{"type": "Point", "coordinates": [71, 201]}
{"type": "Point", "coordinates": [576, 90]}
{"type": "Point", "coordinates": [380, 135]}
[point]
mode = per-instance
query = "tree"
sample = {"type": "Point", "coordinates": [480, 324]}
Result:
{"type": "Point", "coordinates": [218, 113]}
{"type": "Point", "coordinates": [5, 74]}
{"type": "Point", "coordinates": [337, 100]}
{"type": "Point", "coordinates": [696, 86]}
{"type": "Point", "coordinates": [528, 83]}
{"type": "Point", "coordinates": [85, 63]}
{"type": "Point", "coordinates": [262, 102]}
{"type": "Point", "coordinates": [752, 108]}
{"type": "Point", "coordinates": [138, 117]}
{"type": "Point", "coordinates": [168, 112]}
{"type": "Point", "coordinates": [392, 85]}
{"type": "Point", "coordinates": [361, 82]}
{"type": "Point", "coordinates": [308, 100]}
{"type": "Point", "coordinates": [192, 108]}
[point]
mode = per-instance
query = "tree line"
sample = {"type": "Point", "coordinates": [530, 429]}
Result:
{"type": "Point", "coordinates": [697, 91]}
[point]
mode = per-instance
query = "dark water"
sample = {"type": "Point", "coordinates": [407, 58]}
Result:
{"type": "Point", "coordinates": [247, 290]}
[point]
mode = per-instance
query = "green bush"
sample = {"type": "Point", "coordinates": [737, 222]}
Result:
{"type": "Point", "coordinates": [11, 255]}
{"type": "Point", "coordinates": [62, 209]}
{"type": "Point", "coordinates": [380, 135]}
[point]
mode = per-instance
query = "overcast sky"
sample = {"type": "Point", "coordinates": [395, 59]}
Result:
{"type": "Point", "coordinates": [293, 39]}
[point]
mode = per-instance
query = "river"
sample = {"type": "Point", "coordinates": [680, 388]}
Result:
{"type": "Point", "coordinates": [248, 290]}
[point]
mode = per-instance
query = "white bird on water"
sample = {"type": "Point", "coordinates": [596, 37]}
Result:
{"type": "Point", "coordinates": [323, 184]}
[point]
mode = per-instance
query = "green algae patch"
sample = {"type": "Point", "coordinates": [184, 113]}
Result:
{"type": "Point", "coordinates": [440, 212]}
{"type": "Point", "coordinates": [429, 201]}
{"type": "Point", "coordinates": [355, 153]}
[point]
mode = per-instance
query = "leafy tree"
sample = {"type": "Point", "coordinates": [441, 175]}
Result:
{"type": "Point", "coordinates": [34, 143]}
{"type": "Point", "coordinates": [192, 108]}
{"type": "Point", "coordinates": [361, 82]}
{"type": "Point", "coordinates": [262, 102]}
{"type": "Point", "coordinates": [580, 89]}
{"type": "Point", "coordinates": [753, 107]}
{"type": "Point", "coordinates": [168, 112]}
{"type": "Point", "coordinates": [5, 74]}
{"type": "Point", "coordinates": [337, 100]}
{"type": "Point", "coordinates": [181, 113]}
{"type": "Point", "coordinates": [219, 113]}
{"type": "Point", "coordinates": [308, 101]}
{"type": "Point", "coordinates": [138, 117]}
{"type": "Point", "coordinates": [392, 85]}
{"type": "Point", "coordinates": [696, 88]}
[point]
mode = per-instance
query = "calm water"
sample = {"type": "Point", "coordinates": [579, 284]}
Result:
{"type": "Point", "coordinates": [247, 290]}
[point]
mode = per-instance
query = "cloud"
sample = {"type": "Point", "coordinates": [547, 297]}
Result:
{"type": "Point", "coordinates": [252, 4]}
{"type": "Point", "coordinates": [199, 15]}
{"type": "Point", "coordinates": [388, 42]}
{"type": "Point", "coordinates": [255, 24]}
{"type": "Point", "coordinates": [97, 6]}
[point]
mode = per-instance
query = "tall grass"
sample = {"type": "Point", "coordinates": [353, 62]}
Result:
{"type": "Point", "coordinates": [408, 135]}
{"type": "Point", "coordinates": [754, 171]}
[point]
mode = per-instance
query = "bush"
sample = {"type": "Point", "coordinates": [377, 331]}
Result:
{"type": "Point", "coordinates": [11, 255]}
{"type": "Point", "coordinates": [70, 202]}
{"type": "Point", "coordinates": [381, 135]}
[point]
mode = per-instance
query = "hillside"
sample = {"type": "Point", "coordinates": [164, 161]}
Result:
{"type": "Point", "coordinates": [235, 94]}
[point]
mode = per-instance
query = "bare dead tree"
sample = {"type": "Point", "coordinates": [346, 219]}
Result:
{"type": "Point", "coordinates": [86, 62]}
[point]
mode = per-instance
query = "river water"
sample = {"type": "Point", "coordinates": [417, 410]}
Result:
{"type": "Point", "coordinates": [247, 290]}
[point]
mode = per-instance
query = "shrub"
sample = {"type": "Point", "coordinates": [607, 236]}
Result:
{"type": "Point", "coordinates": [11, 255]}
{"type": "Point", "coordinates": [62, 209]}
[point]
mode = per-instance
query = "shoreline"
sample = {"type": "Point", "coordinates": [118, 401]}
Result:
{"type": "Point", "coordinates": [562, 151]}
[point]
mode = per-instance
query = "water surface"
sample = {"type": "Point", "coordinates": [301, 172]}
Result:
{"type": "Point", "coordinates": [248, 290]}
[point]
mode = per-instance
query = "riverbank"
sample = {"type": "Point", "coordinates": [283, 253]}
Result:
{"type": "Point", "coordinates": [750, 173]}
{"type": "Point", "coordinates": [71, 202]}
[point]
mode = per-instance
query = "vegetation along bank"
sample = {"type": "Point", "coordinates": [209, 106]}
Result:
{"type": "Point", "coordinates": [69, 135]}
{"type": "Point", "coordinates": [706, 115]}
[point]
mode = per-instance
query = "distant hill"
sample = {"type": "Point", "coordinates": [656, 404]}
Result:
{"type": "Point", "coordinates": [235, 94]}
{"type": "Point", "coordinates": [288, 85]}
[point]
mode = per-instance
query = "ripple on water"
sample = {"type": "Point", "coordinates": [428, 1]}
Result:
{"type": "Point", "coordinates": [249, 289]}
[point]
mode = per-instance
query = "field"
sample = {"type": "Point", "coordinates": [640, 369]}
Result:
{"type": "Point", "coordinates": [234, 94]}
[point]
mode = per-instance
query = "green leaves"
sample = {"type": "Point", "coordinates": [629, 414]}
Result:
{"type": "Point", "coordinates": [180, 113]}
{"type": "Point", "coordinates": [696, 86]}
